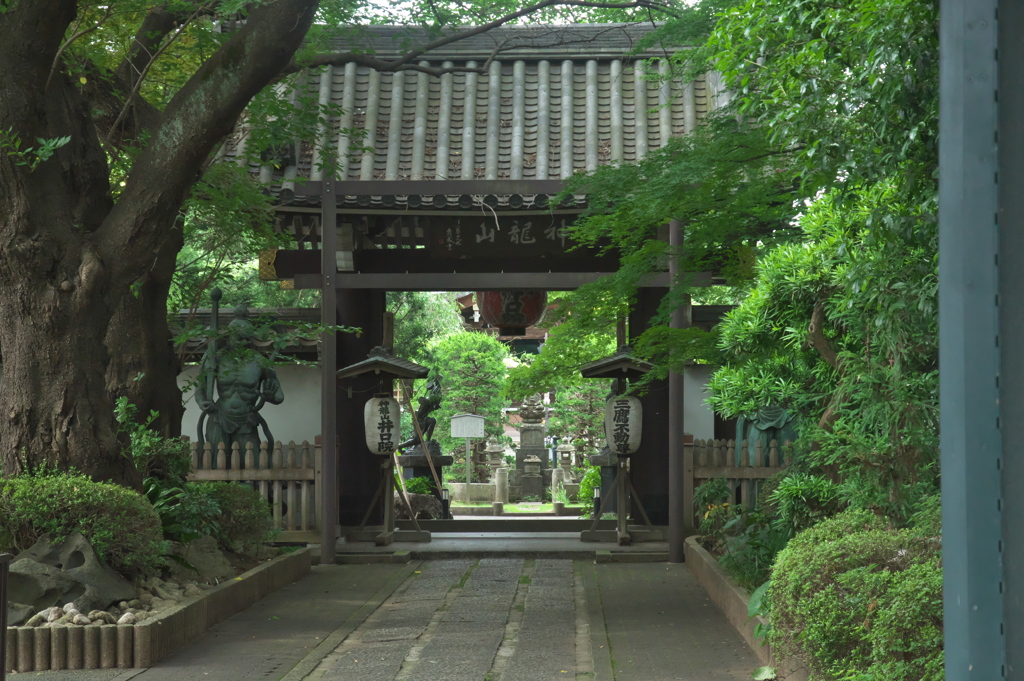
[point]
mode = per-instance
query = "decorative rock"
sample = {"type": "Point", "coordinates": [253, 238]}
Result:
{"type": "Point", "coordinates": [127, 618]}
{"type": "Point", "coordinates": [165, 594]}
{"type": "Point", "coordinates": [191, 591]}
{"type": "Point", "coordinates": [68, 607]}
{"type": "Point", "coordinates": [55, 614]}
{"type": "Point", "coordinates": [36, 620]}
{"type": "Point", "coordinates": [159, 603]}
{"type": "Point", "coordinates": [124, 605]}
{"type": "Point", "coordinates": [38, 575]}
{"type": "Point", "coordinates": [134, 603]}
{"type": "Point", "coordinates": [18, 613]}
{"type": "Point", "coordinates": [423, 506]}
{"type": "Point", "coordinates": [101, 616]}
{"type": "Point", "coordinates": [81, 619]}
{"type": "Point", "coordinates": [205, 555]}
{"type": "Point", "coordinates": [146, 599]}
{"type": "Point", "coordinates": [153, 583]}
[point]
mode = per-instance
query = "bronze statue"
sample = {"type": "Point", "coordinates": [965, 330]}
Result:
{"type": "Point", "coordinates": [234, 385]}
{"type": "Point", "coordinates": [430, 402]}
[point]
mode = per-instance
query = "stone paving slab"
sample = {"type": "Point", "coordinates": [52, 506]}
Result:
{"type": "Point", "coordinates": [489, 619]}
{"type": "Point", "coordinates": [659, 625]}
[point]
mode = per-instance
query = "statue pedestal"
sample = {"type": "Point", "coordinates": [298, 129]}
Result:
{"type": "Point", "coordinates": [414, 464]}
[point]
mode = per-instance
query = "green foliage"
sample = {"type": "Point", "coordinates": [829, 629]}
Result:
{"type": "Point", "coordinates": [802, 500]}
{"type": "Point", "coordinates": [866, 384]}
{"type": "Point", "coordinates": [856, 600]}
{"type": "Point", "coordinates": [568, 346]}
{"type": "Point", "coordinates": [590, 481]}
{"type": "Point", "coordinates": [420, 485]}
{"type": "Point", "coordinates": [158, 458]}
{"type": "Point", "coordinates": [245, 521]}
{"type": "Point", "coordinates": [10, 144]}
{"type": "Point", "coordinates": [558, 494]}
{"type": "Point", "coordinates": [854, 85]}
{"type": "Point", "coordinates": [473, 382]}
{"type": "Point", "coordinates": [422, 319]}
{"type": "Point", "coordinates": [120, 524]}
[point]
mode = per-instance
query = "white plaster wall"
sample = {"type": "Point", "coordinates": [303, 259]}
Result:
{"type": "Point", "coordinates": [297, 418]}
{"type": "Point", "coordinates": [698, 417]}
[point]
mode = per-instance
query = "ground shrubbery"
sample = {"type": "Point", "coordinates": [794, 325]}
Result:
{"type": "Point", "coordinates": [244, 521]}
{"type": "Point", "coordinates": [859, 601]}
{"type": "Point", "coordinates": [120, 523]}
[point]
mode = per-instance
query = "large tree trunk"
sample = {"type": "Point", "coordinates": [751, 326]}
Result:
{"type": "Point", "coordinates": [143, 365]}
{"type": "Point", "coordinates": [54, 402]}
{"type": "Point", "coordinates": [68, 252]}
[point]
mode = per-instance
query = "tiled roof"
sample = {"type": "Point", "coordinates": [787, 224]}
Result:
{"type": "Point", "coordinates": [555, 101]}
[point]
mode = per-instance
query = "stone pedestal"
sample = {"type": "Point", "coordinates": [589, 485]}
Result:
{"type": "Point", "coordinates": [609, 464]}
{"type": "Point", "coordinates": [531, 443]}
{"type": "Point", "coordinates": [414, 464]}
{"type": "Point", "coordinates": [501, 485]}
{"type": "Point", "coordinates": [557, 480]}
{"type": "Point", "coordinates": [531, 481]}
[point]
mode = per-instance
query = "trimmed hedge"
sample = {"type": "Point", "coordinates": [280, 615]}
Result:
{"type": "Point", "coordinates": [120, 523]}
{"type": "Point", "coordinates": [858, 601]}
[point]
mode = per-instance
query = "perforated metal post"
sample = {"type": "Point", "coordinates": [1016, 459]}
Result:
{"type": "Point", "coordinates": [969, 342]}
{"type": "Point", "coordinates": [5, 561]}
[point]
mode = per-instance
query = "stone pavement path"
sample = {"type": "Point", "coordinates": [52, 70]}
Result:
{"type": "Point", "coordinates": [538, 620]}
{"type": "Point", "coordinates": [490, 619]}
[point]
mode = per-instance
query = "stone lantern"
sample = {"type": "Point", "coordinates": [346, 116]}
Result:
{"type": "Point", "coordinates": [565, 454]}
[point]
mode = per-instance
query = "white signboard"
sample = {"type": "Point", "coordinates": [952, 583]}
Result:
{"type": "Point", "coordinates": [468, 425]}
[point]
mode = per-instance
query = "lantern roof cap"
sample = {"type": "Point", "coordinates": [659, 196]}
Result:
{"type": "Point", "coordinates": [621, 364]}
{"type": "Point", "coordinates": [380, 361]}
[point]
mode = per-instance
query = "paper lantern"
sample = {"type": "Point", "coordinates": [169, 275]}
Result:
{"type": "Point", "coordinates": [512, 311]}
{"type": "Point", "coordinates": [381, 420]}
{"type": "Point", "coordinates": [623, 416]}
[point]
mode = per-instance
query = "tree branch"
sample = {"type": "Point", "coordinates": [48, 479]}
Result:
{"type": "Point", "coordinates": [197, 118]}
{"type": "Point", "coordinates": [816, 336]}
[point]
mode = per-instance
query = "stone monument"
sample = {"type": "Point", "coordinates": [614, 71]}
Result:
{"type": "Point", "coordinates": [531, 480]}
{"type": "Point", "coordinates": [531, 433]}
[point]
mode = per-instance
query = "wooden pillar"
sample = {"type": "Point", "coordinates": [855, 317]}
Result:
{"type": "Point", "coordinates": [358, 470]}
{"type": "Point", "coordinates": [649, 467]}
{"type": "Point", "coordinates": [329, 367]}
{"type": "Point", "coordinates": [678, 501]}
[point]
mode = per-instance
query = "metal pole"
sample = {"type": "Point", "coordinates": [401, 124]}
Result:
{"type": "Point", "coordinates": [969, 347]}
{"type": "Point", "coordinates": [329, 365]}
{"type": "Point", "coordinates": [5, 559]}
{"type": "Point", "coordinates": [677, 503]}
{"type": "Point", "coordinates": [1011, 322]}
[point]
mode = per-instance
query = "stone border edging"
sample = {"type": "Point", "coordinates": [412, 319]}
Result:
{"type": "Point", "coordinates": [731, 599]}
{"type": "Point", "coordinates": [124, 646]}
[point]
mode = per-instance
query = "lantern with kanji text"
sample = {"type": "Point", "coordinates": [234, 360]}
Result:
{"type": "Point", "coordinates": [381, 422]}
{"type": "Point", "coordinates": [623, 416]}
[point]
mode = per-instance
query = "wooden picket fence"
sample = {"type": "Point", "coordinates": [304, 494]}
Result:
{"type": "Point", "coordinates": [706, 460]}
{"type": "Point", "coordinates": [286, 475]}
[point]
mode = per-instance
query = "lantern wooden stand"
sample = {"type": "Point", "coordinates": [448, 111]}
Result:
{"type": "Point", "coordinates": [622, 367]}
{"type": "Point", "coordinates": [388, 368]}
